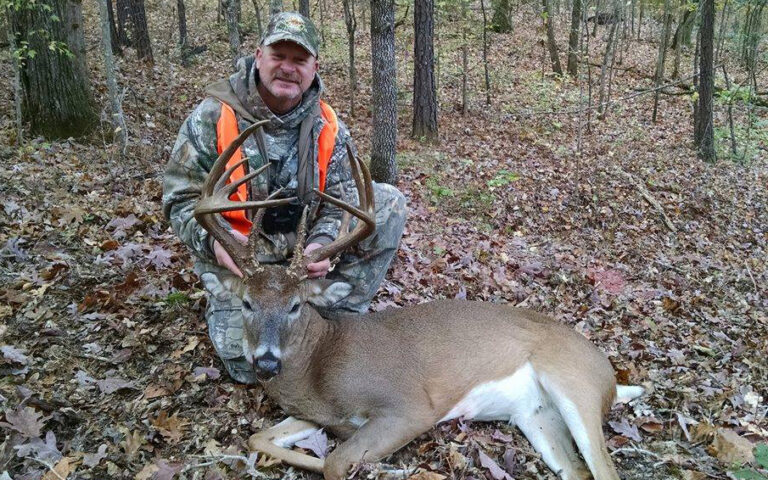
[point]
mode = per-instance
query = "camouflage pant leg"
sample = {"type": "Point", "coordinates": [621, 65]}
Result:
{"type": "Point", "coordinates": [225, 328]}
{"type": "Point", "coordinates": [364, 267]}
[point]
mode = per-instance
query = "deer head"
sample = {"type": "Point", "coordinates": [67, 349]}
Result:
{"type": "Point", "coordinates": [274, 297]}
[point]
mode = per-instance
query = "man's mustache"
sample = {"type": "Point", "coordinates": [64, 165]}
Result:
{"type": "Point", "coordinates": [287, 78]}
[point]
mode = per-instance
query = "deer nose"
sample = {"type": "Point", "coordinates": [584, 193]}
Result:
{"type": "Point", "coordinates": [267, 366]}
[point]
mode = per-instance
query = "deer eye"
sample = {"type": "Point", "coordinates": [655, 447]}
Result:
{"type": "Point", "coordinates": [247, 305]}
{"type": "Point", "coordinates": [296, 306]}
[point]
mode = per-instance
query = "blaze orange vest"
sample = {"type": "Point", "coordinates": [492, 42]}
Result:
{"type": "Point", "coordinates": [227, 131]}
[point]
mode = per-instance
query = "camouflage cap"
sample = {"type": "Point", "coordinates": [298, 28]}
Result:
{"type": "Point", "coordinates": [292, 27]}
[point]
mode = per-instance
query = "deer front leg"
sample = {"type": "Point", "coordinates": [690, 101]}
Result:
{"type": "Point", "coordinates": [379, 437]}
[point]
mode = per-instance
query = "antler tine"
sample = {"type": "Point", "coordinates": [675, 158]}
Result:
{"type": "Point", "coordinates": [297, 264]}
{"type": "Point", "coordinates": [366, 213]}
{"type": "Point", "coordinates": [214, 199]}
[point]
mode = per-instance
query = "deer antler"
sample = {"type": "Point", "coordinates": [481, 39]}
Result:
{"type": "Point", "coordinates": [215, 199]}
{"type": "Point", "coordinates": [366, 214]}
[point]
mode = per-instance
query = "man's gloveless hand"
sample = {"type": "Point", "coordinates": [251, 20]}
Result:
{"type": "Point", "coordinates": [223, 257]}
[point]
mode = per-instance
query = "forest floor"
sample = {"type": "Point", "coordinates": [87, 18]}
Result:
{"type": "Point", "coordinates": [611, 226]}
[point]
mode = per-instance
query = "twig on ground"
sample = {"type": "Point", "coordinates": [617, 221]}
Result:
{"type": "Point", "coordinates": [648, 197]}
{"type": "Point", "coordinates": [637, 450]}
{"type": "Point", "coordinates": [754, 283]}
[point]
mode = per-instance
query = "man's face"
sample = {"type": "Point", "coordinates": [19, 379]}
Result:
{"type": "Point", "coordinates": [286, 71]}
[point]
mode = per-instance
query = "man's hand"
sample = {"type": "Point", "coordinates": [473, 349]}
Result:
{"type": "Point", "coordinates": [223, 257]}
{"type": "Point", "coordinates": [317, 269]}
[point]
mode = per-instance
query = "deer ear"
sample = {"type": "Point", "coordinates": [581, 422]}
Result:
{"type": "Point", "coordinates": [220, 286]}
{"type": "Point", "coordinates": [324, 293]}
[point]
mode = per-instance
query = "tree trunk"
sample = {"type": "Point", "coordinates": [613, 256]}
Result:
{"type": "Point", "coordinates": [231, 14]}
{"type": "Point", "coordinates": [573, 39]}
{"type": "Point", "coordinates": [501, 22]}
{"type": "Point", "coordinates": [485, 56]}
{"type": "Point", "coordinates": [554, 56]}
{"type": "Point", "coordinates": [140, 31]}
{"type": "Point", "coordinates": [257, 12]}
{"type": "Point", "coordinates": [304, 7]}
{"type": "Point", "coordinates": [17, 93]}
{"type": "Point", "coordinates": [117, 117]}
{"type": "Point", "coordinates": [56, 98]}
{"type": "Point", "coordinates": [275, 7]}
{"type": "Point", "coordinates": [384, 67]}
{"type": "Point", "coordinates": [606, 70]}
{"type": "Point", "coordinates": [123, 17]}
{"type": "Point", "coordinates": [424, 94]}
{"type": "Point", "coordinates": [464, 59]}
{"type": "Point", "coordinates": [707, 82]}
{"type": "Point", "coordinates": [323, 8]}
{"type": "Point", "coordinates": [182, 14]}
{"type": "Point", "coordinates": [661, 58]}
{"type": "Point", "coordinates": [351, 22]}
{"type": "Point", "coordinates": [116, 48]}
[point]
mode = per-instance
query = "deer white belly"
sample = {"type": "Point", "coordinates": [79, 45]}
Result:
{"type": "Point", "coordinates": [507, 399]}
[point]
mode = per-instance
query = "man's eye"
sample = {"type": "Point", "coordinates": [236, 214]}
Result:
{"type": "Point", "coordinates": [247, 305]}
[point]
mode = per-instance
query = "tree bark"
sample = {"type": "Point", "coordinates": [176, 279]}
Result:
{"type": "Point", "coordinates": [424, 93]}
{"type": "Point", "coordinates": [501, 22]}
{"type": "Point", "coordinates": [350, 20]}
{"type": "Point", "coordinates": [56, 94]}
{"type": "Point", "coordinates": [257, 12]}
{"type": "Point", "coordinates": [606, 70]}
{"type": "Point", "coordinates": [554, 56]}
{"type": "Point", "coordinates": [661, 58]}
{"type": "Point", "coordinates": [117, 117]}
{"type": "Point", "coordinates": [485, 56]}
{"type": "Point", "coordinates": [275, 7]}
{"type": "Point", "coordinates": [464, 59]}
{"type": "Point", "coordinates": [123, 17]}
{"type": "Point", "coordinates": [384, 86]}
{"type": "Point", "coordinates": [573, 39]}
{"type": "Point", "coordinates": [706, 82]}
{"type": "Point", "coordinates": [182, 14]}
{"type": "Point", "coordinates": [231, 14]}
{"type": "Point", "coordinates": [17, 92]}
{"type": "Point", "coordinates": [304, 7]}
{"type": "Point", "coordinates": [140, 31]}
{"type": "Point", "coordinates": [116, 48]}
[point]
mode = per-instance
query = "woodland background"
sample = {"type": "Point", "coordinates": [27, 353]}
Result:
{"type": "Point", "coordinates": [609, 221]}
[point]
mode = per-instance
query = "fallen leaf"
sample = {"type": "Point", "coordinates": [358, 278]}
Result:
{"type": "Point", "coordinates": [317, 443]}
{"type": "Point", "coordinates": [25, 420]}
{"type": "Point", "coordinates": [13, 354]}
{"type": "Point", "coordinates": [210, 372]}
{"type": "Point", "coordinates": [93, 459]}
{"type": "Point", "coordinates": [111, 385]}
{"type": "Point", "coordinates": [61, 470]}
{"type": "Point", "coordinates": [154, 391]}
{"type": "Point", "coordinates": [493, 468]}
{"type": "Point", "coordinates": [729, 447]}
{"type": "Point", "coordinates": [133, 442]}
{"type": "Point", "coordinates": [171, 428]}
{"type": "Point", "coordinates": [624, 428]}
{"type": "Point", "coordinates": [147, 472]}
{"type": "Point", "coordinates": [166, 471]}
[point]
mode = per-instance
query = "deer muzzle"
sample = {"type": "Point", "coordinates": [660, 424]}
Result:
{"type": "Point", "coordinates": [266, 366]}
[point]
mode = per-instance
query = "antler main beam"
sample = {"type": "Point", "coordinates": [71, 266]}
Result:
{"type": "Point", "coordinates": [214, 199]}
{"type": "Point", "coordinates": [366, 213]}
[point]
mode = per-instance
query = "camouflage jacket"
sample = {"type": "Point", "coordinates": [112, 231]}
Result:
{"type": "Point", "coordinates": [196, 150]}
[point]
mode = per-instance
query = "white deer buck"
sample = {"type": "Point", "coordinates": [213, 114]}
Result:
{"type": "Point", "coordinates": [378, 381]}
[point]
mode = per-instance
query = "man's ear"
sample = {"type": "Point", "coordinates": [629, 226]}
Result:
{"type": "Point", "coordinates": [259, 53]}
{"type": "Point", "coordinates": [324, 293]}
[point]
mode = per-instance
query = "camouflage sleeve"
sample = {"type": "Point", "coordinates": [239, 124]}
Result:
{"type": "Point", "coordinates": [191, 160]}
{"type": "Point", "coordinates": [338, 183]}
